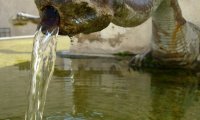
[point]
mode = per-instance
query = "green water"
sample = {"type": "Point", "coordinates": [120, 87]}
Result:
{"type": "Point", "coordinates": [103, 89]}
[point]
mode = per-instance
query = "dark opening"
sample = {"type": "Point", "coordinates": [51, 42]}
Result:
{"type": "Point", "coordinates": [50, 19]}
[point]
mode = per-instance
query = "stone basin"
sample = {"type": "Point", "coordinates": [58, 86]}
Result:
{"type": "Point", "coordinates": [96, 88]}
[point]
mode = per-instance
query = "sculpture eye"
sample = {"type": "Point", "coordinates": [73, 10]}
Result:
{"type": "Point", "coordinates": [141, 2]}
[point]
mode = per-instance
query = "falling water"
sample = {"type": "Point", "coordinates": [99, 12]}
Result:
{"type": "Point", "coordinates": [42, 67]}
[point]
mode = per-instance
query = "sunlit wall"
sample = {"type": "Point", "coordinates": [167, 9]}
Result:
{"type": "Point", "coordinates": [9, 8]}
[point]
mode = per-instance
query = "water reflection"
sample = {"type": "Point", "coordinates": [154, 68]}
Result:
{"type": "Point", "coordinates": [174, 95]}
{"type": "Point", "coordinates": [104, 89]}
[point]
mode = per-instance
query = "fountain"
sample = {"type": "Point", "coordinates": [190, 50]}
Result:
{"type": "Point", "coordinates": [71, 18]}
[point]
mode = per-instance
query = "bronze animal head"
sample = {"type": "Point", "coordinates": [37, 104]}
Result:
{"type": "Point", "coordinates": [75, 16]}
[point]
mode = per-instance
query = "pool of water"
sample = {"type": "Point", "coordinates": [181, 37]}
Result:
{"type": "Point", "coordinates": [103, 89]}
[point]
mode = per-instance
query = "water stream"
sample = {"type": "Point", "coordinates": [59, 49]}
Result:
{"type": "Point", "coordinates": [42, 67]}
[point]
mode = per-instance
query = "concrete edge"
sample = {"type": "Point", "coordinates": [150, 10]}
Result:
{"type": "Point", "coordinates": [16, 37]}
{"type": "Point", "coordinates": [68, 54]}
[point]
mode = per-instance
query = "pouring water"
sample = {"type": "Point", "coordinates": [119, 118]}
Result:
{"type": "Point", "coordinates": [42, 67]}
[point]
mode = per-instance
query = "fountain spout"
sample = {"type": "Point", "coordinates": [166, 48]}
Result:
{"type": "Point", "coordinates": [50, 19]}
{"type": "Point", "coordinates": [75, 16]}
{"type": "Point", "coordinates": [23, 18]}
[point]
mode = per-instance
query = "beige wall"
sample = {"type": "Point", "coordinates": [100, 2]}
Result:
{"type": "Point", "coordinates": [190, 10]}
{"type": "Point", "coordinates": [9, 8]}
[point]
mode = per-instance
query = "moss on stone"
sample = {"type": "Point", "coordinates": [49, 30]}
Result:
{"type": "Point", "coordinates": [123, 54]}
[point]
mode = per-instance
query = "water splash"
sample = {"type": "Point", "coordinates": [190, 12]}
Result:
{"type": "Point", "coordinates": [42, 67]}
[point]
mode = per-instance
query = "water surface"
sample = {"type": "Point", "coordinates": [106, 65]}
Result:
{"type": "Point", "coordinates": [104, 89]}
